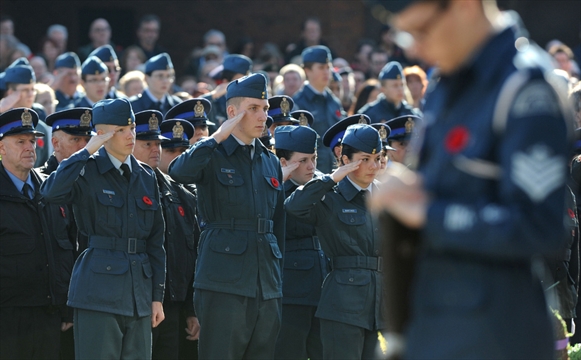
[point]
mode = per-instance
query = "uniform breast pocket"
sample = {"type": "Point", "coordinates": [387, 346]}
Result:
{"type": "Point", "coordinates": [354, 222]}
{"type": "Point", "coordinates": [147, 207]}
{"type": "Point", "coordinates": [352, 290]}
{"type": "Point", "coordinates": [109, 213]}
{"type": "Point", "coordinates": [233, 193]}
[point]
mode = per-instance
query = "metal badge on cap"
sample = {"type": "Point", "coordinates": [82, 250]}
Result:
{"type": "Point", "coordinates": [178, 131]}
{"type": "Point", "coordinates": [284, 107]}
{"type": "Point", "coordinates": [303, 121]}
{"type": "Point", "coordinates": [26, 118]}
{"type": "Point", "coordinates": [409, 126]}
{"type": "Point", "coordinates": [383, 133]}
{"type": "Point", "coordinates": [153, 122]}
{"type": "Point", "coordinates": [199, 109]}
{"type": "Point", "coordinates": [362, 120]}
{"type": "Point", "coordinates": [85, 119]}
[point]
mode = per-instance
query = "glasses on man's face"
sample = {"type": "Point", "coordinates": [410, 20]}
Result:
{"type": "Point", "coordinates": [162, 77]}
{"type": "Point", "coordinates": [97, 81]}
{"type": "Point", "coordinates": [406, 39]}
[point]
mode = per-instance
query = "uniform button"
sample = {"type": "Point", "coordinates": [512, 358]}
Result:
{"type": "Point", "coordinates": [48, 297]}
{"type": "Point", "coordinates": [130, 215]}
{"type": "Point", "coordinates": [227, 248]}
{"type": "Point", "coordinates": [108, 268]}
{"type": "Point", "coordinates": [352, 220]}
{"type": "Point", "coordinates": [296, 264]}
{"type": "Point", "coordinates": [376, 252]}
{"type": "Point", "coordinates": [258, 215]}
{"type": "Point", "coordinates": [231, 182]}
{"type": "Point", "coordinates": [321, 255]}
{"type": "Point", "coordinates": [46, 265]}
{"type": "Point", "coordinates": [169, 232]}
{"type": "Point", "coordinates": [350, 279]}
{"type": "Point", "coordinates": [259, 240]}
{"type": "Point", "coordinates": [133, 262]}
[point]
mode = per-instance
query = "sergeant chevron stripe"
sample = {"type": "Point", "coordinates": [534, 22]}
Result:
{"type": "Point", "coordinates": [537, 173]}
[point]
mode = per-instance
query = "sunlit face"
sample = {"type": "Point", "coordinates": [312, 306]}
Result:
{"type": "Point", "coordinates": [168, 154]}
{"type": "Point", "coordinates": [66, 145]}
{"type": "Point", "coordinates": [398, 155]}
{"type": "Point", "coordinates": [312, 32]}
{"type": "Point", "coordinates": [70, 80]}
{"type": "Point", "coordinates": [393, 90]}
{"type": "Point", "coordinates": [160, 82]}
{"type": "Point", "coordinates": [96, 86]}
{"type": "Point", "coordinates": [306, 169]}
{"type": "Point", "coordinates": [121, 144]}
{"type": "Point", "coordinates": [414, 83]}
{"type": "Point", "coordinates": [368, 169]}
{"type": "Point", "coordinates": [563, 61]}
{"type": "Point", "coordinates": [292, 82]}
{"type": "Point", "coordinates": [133, 61]}
{"type": "Point", "coordinates": [134, 87]}
{"type": "Point", "coordinates": [253, 122]}
{"type": "Point", "coordinates": [319, 75]}
{"type": "Point", "coordinates": [148, 151]}
{"type": "Point", "coordinates": [18, 152]}
{"type": "Point", "coordinates": [47, 100]}
{"type": "Point", "coordinates": [382, 163]}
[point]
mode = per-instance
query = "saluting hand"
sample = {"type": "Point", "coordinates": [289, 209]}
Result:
{"type": "Point", "coordinates": [344, 170]}
{"type": "Point", "coordinates": [288, 170]}
{"type": "Point", "coordinates": [97, 141]}
{"type": "Point", "coordinates": [227, 127]}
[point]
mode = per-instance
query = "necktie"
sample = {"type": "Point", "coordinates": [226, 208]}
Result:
{"type": "Point", "coordinates": [126, 171]}
{"type": "Point", "coordinates": [26, 190]}
{"type": "Point", "coordinates": [248, 149]}
{"type": "Point", "coordinates": [364, 194]}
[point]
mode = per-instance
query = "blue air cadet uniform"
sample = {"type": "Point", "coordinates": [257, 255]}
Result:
{"type": "Point", "coordinates": [68, 60]}
{"type": "Point", "coordinates": [116, 279]}
{"type": "Point", "coordinates": [238, 284]}
{"type": "Point", "coordinates": [92, 66]}
{"type": "Point", "coordinates": [350, 308]}
{"type": "Point", "coordinates": [325, 107]}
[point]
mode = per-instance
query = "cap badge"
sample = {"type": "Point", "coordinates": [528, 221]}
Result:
{"type": "Point", "coordinates": [303, 121]}
{"type": "Point", "coordinates": [178, 131]}
{"type": "Point", "coordinates": [85, 119]}
{"type": "Point", "coordinates": [199, 109]}
{"type": "Point", "coordinates": [284, 107]}
{"type": "Point", "coordinates": [398, 77]}
{"type": "Point", "coordinates": [263, 94]}
{"type": "Point", "coordinates": [362, 120]}
{"type": "Point", "coordinates": [96, 72]}
{"type": "Point", "coordinates": [382, 133]}
{"type": "Point", "coordinates": [153, 123]}
{"type": "Point", "coordinates": [129, 121]}
{"type": "Point", "coordinates": [26, 118]}
{"type": "Point", "coordinates": [409, 126]}
{"type": "Point", "coordinates": [373, 151]}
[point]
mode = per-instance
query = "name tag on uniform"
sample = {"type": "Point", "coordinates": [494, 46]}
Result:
{"type": "Point", "coordinates": [228, 171]}
{"type": "Point", "coordinates": [108, 192]}
{"type": "Point", "coordinates": [349, 211]}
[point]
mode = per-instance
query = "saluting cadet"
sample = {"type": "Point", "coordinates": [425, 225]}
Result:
{"type": "Point", "coordinates": [316, 98]}
{"type": "Point", "coordinates": [196, 112]}
{"type": "Point", "coordinates": [67, 68]}
{"type": "Point", "coordinates": [493, 165]}
{"type": "Point", "coordinates": [108, 56]}
{"type": "Point", "coordinates": [305, 263]}
{"type": "Point", "coordinates": [238, 284]}
{"type": "Point", "coordinates": [181, 235]}
{"type": "Point", "coordinates": [36, 251]}
{"type": "Point", "coordinates": [117, 285]}
{"type": "Point", "coordinates": [391, 102]}
{"type": "Point", "coordinates": [350, 308]}
{"type": "Point", "coordinates": [95, 81]}
{"type": "Point", "coordinates": [160, 76]}
{"type": "Point", "coordinates": [234, 67]}
{"type": "Point", "coordinates": [334, 136]}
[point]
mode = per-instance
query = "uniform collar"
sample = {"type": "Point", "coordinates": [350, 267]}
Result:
{"type": "Point", "coordinates": [153, 98]}
{"type": "Point", "coordinates": [231, 143]}
{"type": "Point", "coordinates": [19, 184]}
{"type": "Point", "coordinates": [105, 161]}
{"type": "Point", "coordinates": [310, 92]}
{"type": "Point", "coordinates": [349, 191]}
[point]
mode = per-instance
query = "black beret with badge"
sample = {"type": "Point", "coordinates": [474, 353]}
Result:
{"type": "Point", "coordinates": [147, 125]}
{"type": "Point", "coordinates": [177, 132]}
{"type": "Point", "coordinates": [334, 135]}
{"type": "Point", "coordinates": [75, 121]}
{"type": "Point", "coordinates": [193, 110]}
{"type": "Point", "coordinates": [19, 121]}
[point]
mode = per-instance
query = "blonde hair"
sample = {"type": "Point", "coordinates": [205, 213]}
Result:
{"type": "Point", "coordinates": [134, 75]}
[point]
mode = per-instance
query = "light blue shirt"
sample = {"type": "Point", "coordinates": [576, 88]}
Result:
{"type": "Point", "coordinates": [118, 163]}
{"type": "Point", "coordinates": [359, 188]}
{"type": "Point", "coordinates": [20, 184]}
{"type": "Point", "coordinates": [153, 98]}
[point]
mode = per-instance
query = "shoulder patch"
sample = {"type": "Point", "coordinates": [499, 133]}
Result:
{"type": "Point", "coordinates": [534, 99]}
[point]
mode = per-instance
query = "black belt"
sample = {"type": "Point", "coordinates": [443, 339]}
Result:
{"type": "Point", "coordinates": [130, 245]}
{"type": "Point", "coordinates": [261, 226]}
{"type": "Point", "coordinates": [308, 243]}
{"type": "Point", "coordinates": [357, 262]}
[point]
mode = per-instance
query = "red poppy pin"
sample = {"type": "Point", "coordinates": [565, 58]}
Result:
{"type": "Point", "coordinates": [338, 113]}
{"type": "Point", "coordinates": [274, 182]}
{"type": "Point", "coordinates": [147, 201]}
{"type": "Point", "coordinates": [63, 212]}
{"type": "Point", "coordinates": [181, 211]}
{"type": "Point", "coordinates": [457, 139]}
{"type": "Point", "coordinates": [40, 142]}
{"type": "Point", "coordinates": [571, 213]}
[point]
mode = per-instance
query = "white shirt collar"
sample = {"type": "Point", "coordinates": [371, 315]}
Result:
{"type": "Point", "coordinates": [153, 98]}
{"type": "Point", "coordinates": [359, 188]}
